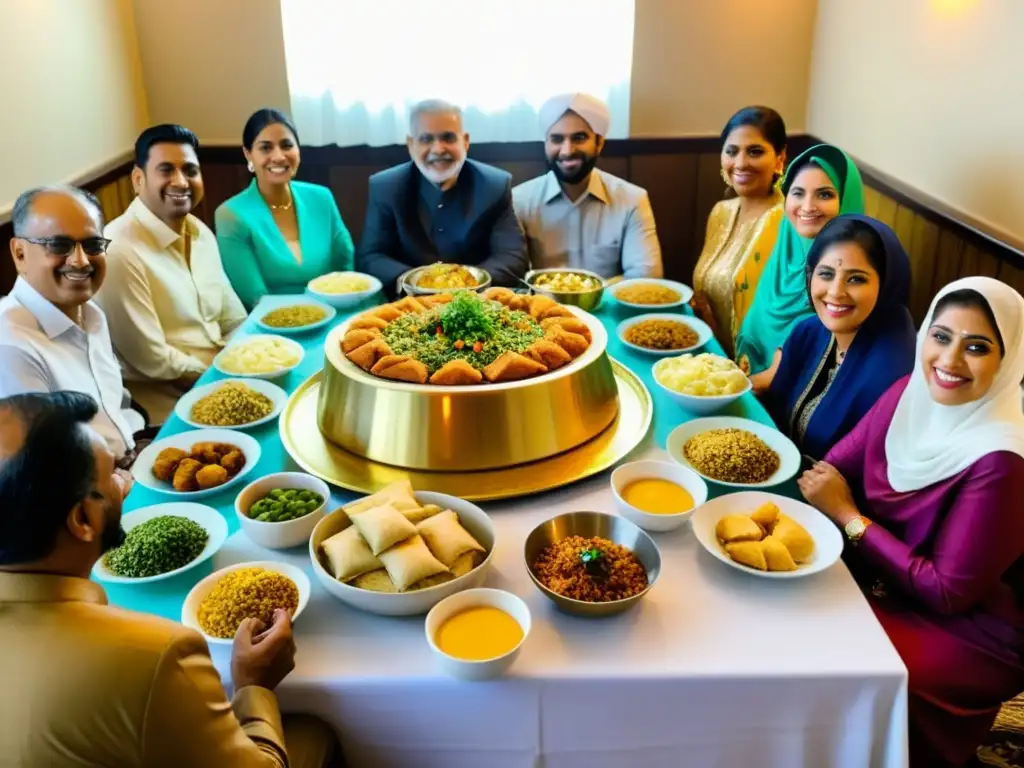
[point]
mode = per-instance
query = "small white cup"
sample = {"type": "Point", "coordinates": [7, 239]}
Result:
{"type": "Point", "coordinates": [661, 470]}
{"type": "Point", "coordinates": [474, 598]}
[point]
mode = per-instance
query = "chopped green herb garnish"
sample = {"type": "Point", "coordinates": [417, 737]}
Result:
{"type": "Point", "coordinates": [468, 327]}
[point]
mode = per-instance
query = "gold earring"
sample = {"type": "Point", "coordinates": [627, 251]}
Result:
{"type": "Point", "coordinates": [725, 178]}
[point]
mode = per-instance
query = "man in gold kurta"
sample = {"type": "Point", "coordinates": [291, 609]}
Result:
{"type": "Point", "coordinates": [85, 684]}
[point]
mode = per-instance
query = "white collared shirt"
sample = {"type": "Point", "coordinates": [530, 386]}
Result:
{"type": "Point", "coordinates": [168, 315]}
{"type": "Point", "coordinates": [42, 350]}
{"type": "Point", "coordinates": [609, 229]}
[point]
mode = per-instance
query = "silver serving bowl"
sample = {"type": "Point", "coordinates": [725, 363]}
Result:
{"type": "Point", "coordinates": [409, 279]}
{"type": "Point", "coordinates": [617, 530]}
{"type": "Point", "coordinates": [586, 300]}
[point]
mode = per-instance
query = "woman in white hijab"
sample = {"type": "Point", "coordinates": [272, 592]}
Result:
{"type": "Point", "coordinates": [929, 488]}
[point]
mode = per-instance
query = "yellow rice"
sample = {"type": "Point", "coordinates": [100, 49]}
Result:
{"type": "Point", "coordinates": [242, 594]}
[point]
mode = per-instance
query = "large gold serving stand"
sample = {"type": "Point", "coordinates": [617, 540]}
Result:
{"type": "Point", "coordinates": [467, 428]}
{"type": "Point", "coordinates": [315, 454]}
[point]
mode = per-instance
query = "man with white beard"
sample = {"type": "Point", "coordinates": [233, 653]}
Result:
{"type": "Point", "coordinates": [440, 206]}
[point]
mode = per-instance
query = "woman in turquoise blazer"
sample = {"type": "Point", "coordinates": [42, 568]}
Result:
{"type": "Point", "coordinates": [278, 234]}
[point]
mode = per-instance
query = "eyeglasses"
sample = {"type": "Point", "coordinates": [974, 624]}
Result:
{"type": "Point", "coordinates": [64, 246]}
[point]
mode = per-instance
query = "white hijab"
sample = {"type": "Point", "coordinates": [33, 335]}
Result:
{"type": "Point", "coordinates": [928, 442]}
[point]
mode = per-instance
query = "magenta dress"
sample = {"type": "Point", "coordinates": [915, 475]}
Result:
{"type": "Point", "coordinates": [943, 569]}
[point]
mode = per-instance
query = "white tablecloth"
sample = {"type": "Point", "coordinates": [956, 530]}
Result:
{"type": "Point", "coordinates": [714, 669]}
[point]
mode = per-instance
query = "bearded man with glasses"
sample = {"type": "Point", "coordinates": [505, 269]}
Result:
{"type": "Point", "coordinates": [53, 337]}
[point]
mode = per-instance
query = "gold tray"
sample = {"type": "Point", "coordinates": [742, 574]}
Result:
{"type": "Point", "coordinates": [315, 454]}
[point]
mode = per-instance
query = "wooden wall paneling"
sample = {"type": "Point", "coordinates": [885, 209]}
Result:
{"type": "Point", "coordinates": [1013, 275]}
{"type": "Point", "coordinates": [948, 259]}
{"type": "Point", "coordinates": [886, 211]}
{"type": "Point", "coordinates": [904, 227]}
{"type": "Point", "coordinates": [924, 244]}
{"type": "Point", "coordinates": [710, 189]}
{"type": "Point", "coordinates": [525, 170]}
{"type": "Point", "coordinates": [220, 181]}
{"type": "Point", "coordinates": [674, 201]}
{"type": "Point", "coordinates": [987, 265]}
{"type": "Point", "coordinates": [969, 261]}
{"type": "Point", "coordinates": [351, 188]}
{"type": "Point", "coordinates": [871, 198]}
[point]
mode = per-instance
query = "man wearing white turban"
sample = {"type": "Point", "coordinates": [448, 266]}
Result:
{"type": "Point", "coordinates": [576, 215]}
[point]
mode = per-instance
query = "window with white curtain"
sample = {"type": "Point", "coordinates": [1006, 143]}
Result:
{"type": "Point", "coordinates": [356, 67]}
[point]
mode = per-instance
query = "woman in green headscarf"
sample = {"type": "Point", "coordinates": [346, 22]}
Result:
{"type": "Point", "coordinates": [820, 184]}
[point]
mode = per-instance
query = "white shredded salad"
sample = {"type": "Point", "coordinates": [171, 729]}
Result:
{"type": "Point", "coordinates": [703, 375]}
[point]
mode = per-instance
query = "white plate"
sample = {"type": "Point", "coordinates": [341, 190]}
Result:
{"type": "Point", "coordinates": [828, 542]}
{"type": "Point", "coordinates": [685, 292]}
{"type": "Point", "coordinates": [183, 409]}
{"type": "Point", "coordinates": [190, 609]}
{"type": "Point", "coordinates": [344, 300]}
{"type": "Point", "coordinates": [703, 331]}
{"type": "Point", "coordinates": [789, 454]}
{"type": "Point", "coordinates": [331, 314]}
{"type": "Point", "coordinates": [209, 518]}
{"type": "Point", "coordinates": [142, 469]}
{"type": "Point", "coordinates": [276, 374]}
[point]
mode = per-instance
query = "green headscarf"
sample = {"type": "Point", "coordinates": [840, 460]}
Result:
{"type": "Point", "coordinates": [781, 298]}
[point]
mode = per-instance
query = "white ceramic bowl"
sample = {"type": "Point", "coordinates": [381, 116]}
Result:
{"type": "Point", "coordinates": [703, 331]}
{"type": "Point", "coordinates": [685, 293]}
{"type": "Point", "coordinates": [344, 300]}
{"type": "Point", "coordinates": [183, 408]}
{"type": "Point", "coordinates": [142, 469]}
{"type": "Point", "coordinates": [264, 311]}
{"type": "Point", "coordinates": [475, 598]}
{"type": "Point", "coordinates": [290, 533]}
{"type": "Point", "coordinates": [208, 517]}
{"type": "Point", "coordinates": [275, 374]}
{"type": "Point", "coordinates": [190, 609]}
{"type": "Point", "coordinates": [420, 601]}
{"type": "Point", "coordinates": [828, 542]}
{"type": "Point", "coordinates": [789, 454]}
{"type": "Point", "coordinates": [662, 470]}
{"type": "Point", "coordinates": [699, 405]}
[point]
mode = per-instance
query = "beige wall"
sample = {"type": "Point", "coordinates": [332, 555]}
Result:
{"type": "Point", "coordinates": [695, 62]}
{"type": "Point", "coordinates": [929, 92]}
{"type": "Point", "coordinates": [209, 64]}
{"type": "Point", "coordinates": [71, 91]}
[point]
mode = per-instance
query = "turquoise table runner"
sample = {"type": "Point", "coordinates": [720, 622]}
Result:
{"type": "Point", "coordinates": [165, 598]}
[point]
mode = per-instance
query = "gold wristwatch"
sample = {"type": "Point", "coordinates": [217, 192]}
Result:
{"type": "Point", "coordinates": [856, 528]}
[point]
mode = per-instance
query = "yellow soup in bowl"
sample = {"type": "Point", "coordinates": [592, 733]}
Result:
{"type": "Point", "coordinates": [657, 497]}
{"type": "Point", "coordinates": [479, 634]}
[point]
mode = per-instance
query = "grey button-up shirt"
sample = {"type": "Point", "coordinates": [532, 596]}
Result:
{"type": "Point", "coordinates": [609, 229]}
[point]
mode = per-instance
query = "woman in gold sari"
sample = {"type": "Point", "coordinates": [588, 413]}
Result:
{"type": "Point", "coordinates": [741, 231]}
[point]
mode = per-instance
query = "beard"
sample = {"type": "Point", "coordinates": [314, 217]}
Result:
{"type": "Point", "coordinates": [586, 166]}
{"type": "Point", "coordinates": [440, 177]}
{"type": "Point", "coordinates": [113, 535]}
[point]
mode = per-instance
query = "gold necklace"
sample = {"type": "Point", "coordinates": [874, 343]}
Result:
{"type": "Point", "coordinates": [286, 207]}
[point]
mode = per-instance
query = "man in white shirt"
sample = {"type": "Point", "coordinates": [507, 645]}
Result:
{"type": "Point", "coordinates": [52, 336]}
{"type": "Point", "coordinates": [576, 215]}
{"type": "Point", "coordinates": [169, 303]}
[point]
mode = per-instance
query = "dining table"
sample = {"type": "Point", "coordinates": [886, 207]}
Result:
{"type": "Point", "coordinates": [713, 668]}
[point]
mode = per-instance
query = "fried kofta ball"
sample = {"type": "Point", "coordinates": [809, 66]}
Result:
{"type": "Point", "coordinates": [185, 475]}
{"type": "Point", "coordinates": [211, 476]}
{"type": "Point", "coordinates": [233, 462]}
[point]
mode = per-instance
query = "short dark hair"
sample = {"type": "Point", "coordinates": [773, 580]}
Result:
{"type": "Point", "coordinates": [34, 502]}
{"type": "Point", "coordinates": [167, 133]}
{"type": "Point", "coordinates": [765, 119]}
{"type": "Point", "coordinates": [260, 119]}
{"type": "Point", "coordinates": [968, 297]}
{"type": "Point", "coordinates": [23, 205]}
